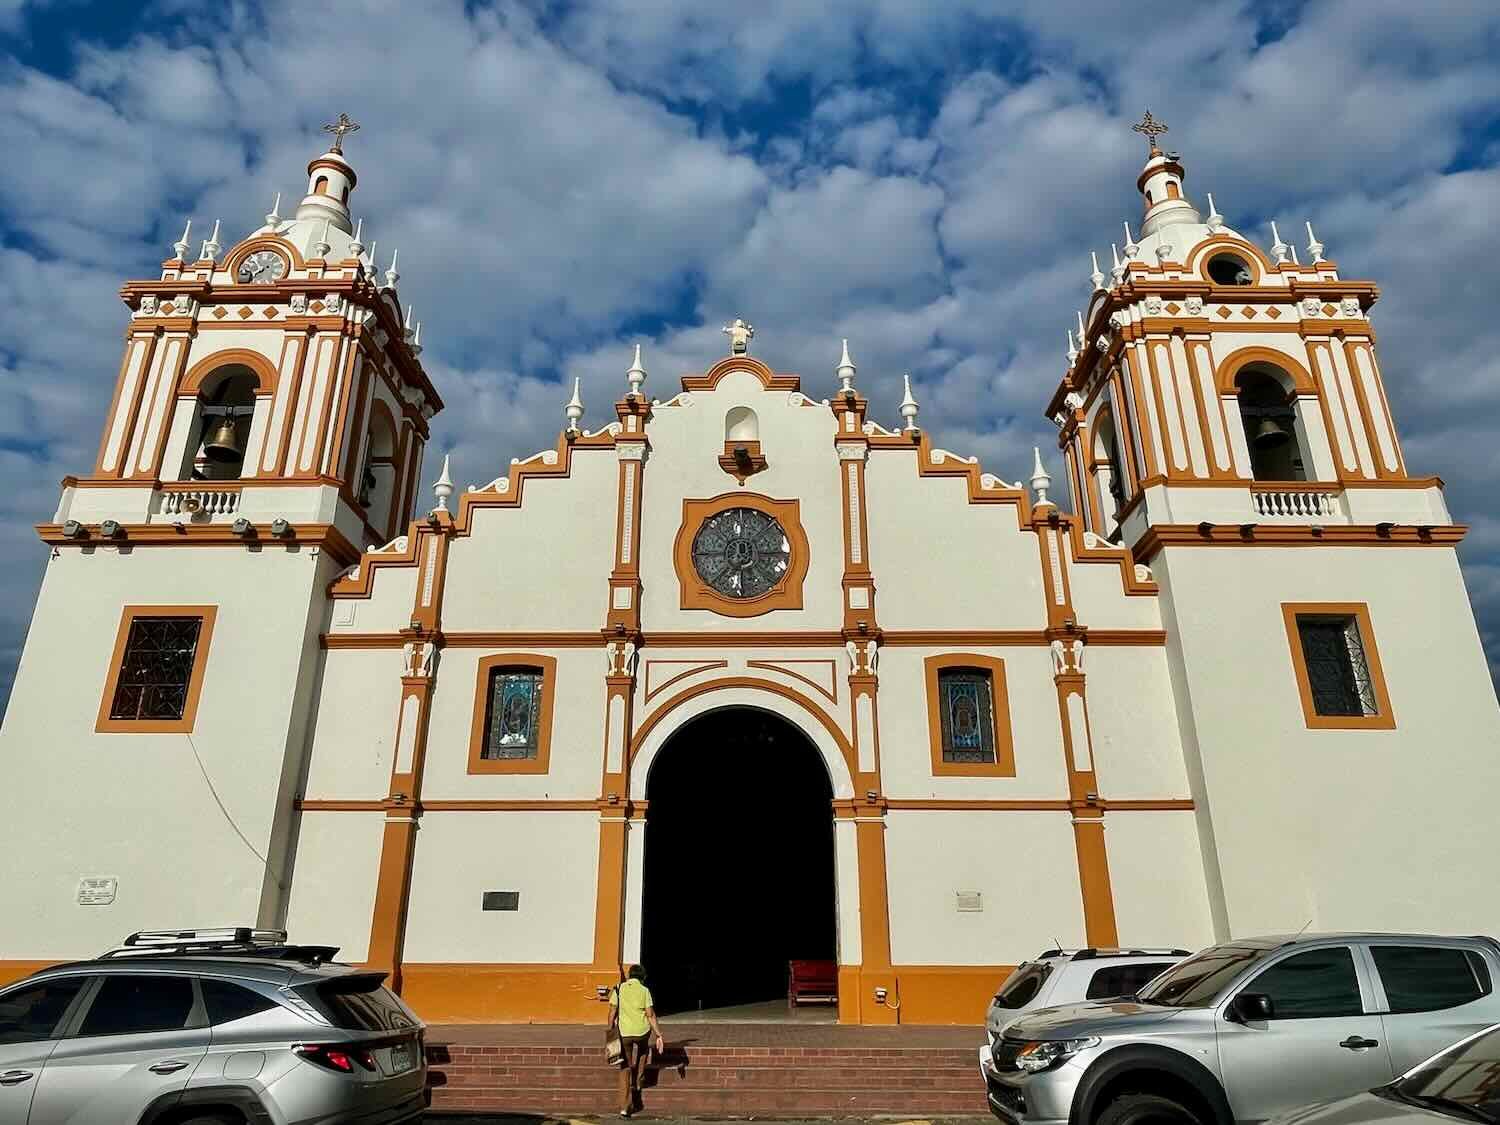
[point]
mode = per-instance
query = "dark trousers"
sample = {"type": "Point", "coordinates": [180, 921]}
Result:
{"type": "Point", "coordinates": [637, 1053]}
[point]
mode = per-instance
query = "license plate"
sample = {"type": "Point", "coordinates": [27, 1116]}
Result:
{"type": "Point", "coordinates": [401, 1058]}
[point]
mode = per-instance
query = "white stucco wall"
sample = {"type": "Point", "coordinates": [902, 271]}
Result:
{"type": "Point", "coordinates": [796, 438]}
{"type": "Point", "coordinates": [333, 880]}
{"type": "Point", "coordinates": [1036, 729]}
{"type": "Point", "coordinates": [1137, 742]}
{"type": "Point", "coordinates": [1024, 864]}
{"type": "Point", "coordinates": [577, 749]}
{"type": "Point", "coordinates": [1360, 829]}
{"type": "Point", "coordinates": [970, 557]}
{"type": "Point", "coordinates": [138, 806]}
{"type": "Point", "coordinates": [354, 725]}
{"type": "Point", "coordinates": [551, 858]}
{"type": "Point", "coordinates": [1156, 876]}
{"type": "Point", "coordinates": [560, 540]}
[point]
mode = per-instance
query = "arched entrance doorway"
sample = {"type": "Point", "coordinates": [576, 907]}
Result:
{"type": "Point", "coordinates": [739, 861]}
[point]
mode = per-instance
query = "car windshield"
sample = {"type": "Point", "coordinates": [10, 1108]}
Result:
{"type": "Point", "coordinates": [1463, 1082]}
{"type": "Point", "coordinates": [1196, 982]}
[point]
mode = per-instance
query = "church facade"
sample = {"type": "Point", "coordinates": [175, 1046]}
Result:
{"type": "Point", "coordinates": [1225, 679]}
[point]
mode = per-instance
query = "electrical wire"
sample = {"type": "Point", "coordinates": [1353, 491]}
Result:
{"type": "Point", "coordinates": [215, 794]}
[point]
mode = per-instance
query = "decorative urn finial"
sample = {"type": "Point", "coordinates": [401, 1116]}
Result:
{"type": "Point", "coordinates": [636, 375]}
{"type": "Point", "coordinates": [1040, 481]}
{"type": "Point", "coordinates": [443, 487]}
{"type": "Point", "coordinates": [908, 406]}
{"type": "Point", "coordinates": [574, 409]}
{"type": "Point", "coordinates": [845, 372]}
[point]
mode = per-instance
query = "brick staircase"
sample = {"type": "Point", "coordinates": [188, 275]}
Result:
{"type": "Point", "coordinates": [722, 1070]}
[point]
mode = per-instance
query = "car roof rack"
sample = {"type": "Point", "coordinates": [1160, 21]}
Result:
{"type": "Point", "coordinates": [237, 941]}
{"type": "Point", "coordinates": [1089, 954]}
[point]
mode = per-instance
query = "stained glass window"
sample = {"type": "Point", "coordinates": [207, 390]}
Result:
{"type": "Point", "coordinates": [157, 668]}
{"type": "Point", "coordinates": [1338, 674]}
{"type": "Point", "coordinates": [514, 709]}
{"type": "Point", "coordinates": [741, 553]}
{"type": "Point", "coordinates": [965, 697]}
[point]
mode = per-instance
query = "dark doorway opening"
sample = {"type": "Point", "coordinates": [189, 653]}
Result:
{"type": "Point", "coordinates": [739, 869]}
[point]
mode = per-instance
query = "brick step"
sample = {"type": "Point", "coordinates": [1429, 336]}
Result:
{"type": "Point", "coordinates": [787, 1102]}
{"type": "Point", "coordinates": [584, 1077]}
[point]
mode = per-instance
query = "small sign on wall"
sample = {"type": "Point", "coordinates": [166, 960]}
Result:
{"type": "Point", "coordinates": [97, 890]}
{"type": "Point", "coordinates": [969, 902]}
{"type": "Point", "coordinates": [501, 900]}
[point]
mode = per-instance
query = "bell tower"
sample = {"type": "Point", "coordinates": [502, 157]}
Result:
{"type": "Point", "coordinates": [279, 380]}
{"type": "Point", "coordinates": [1224, 418]}
{"type": "Point", "coordinates": [267, 424]}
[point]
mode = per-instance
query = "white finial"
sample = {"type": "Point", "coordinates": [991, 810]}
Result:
{"type": "Point", "coordinates": [1296, 261]}
{"type": "Point", "coordinates": [845, 372]}
{"type": "Point", "coordinates": [1072, 348]}
{"type": "Point", "coordinates": [1097, 277]}
{"type": "Point", "coordinates": [408, 326]}
{"type": "Point", "coordinates": [1117, 271]}
{"type": "Point", "coordinates": [416, 340]}
{"type": "Point", "coordinates": [273, 217]}
{"type": "Point", "coordinates": [211, 248]}
{"type": "Point", "coordinates": [1163, 252]}
{"type": "Point", "coordinates": [370, 255]}
{"type": "Point", "coordinates": [1314, 247]}
{"type": "Point", "coordinates": [443, 487]}
{"type": "Point", "coordinates": [574, 409]}
{"type": "Point", "coordinates": [391, 276]}
{"type": "Point", "coordinates": [1214, 220]}
{"type": "Point", "coordinates": [1082, 332]}
{"type": "Point", "coordinates": [181, 245]}
{"type": "Point", "coordinates": [1279, 249]}
{"type": "Point", "coordinates": [1132, 247]}
{"type": "Point", "coordinates": [356, 247]}
{"type": "Point", "coordinates": [1040, 481]}
{"type": "Point", "coordinates": [635, 375]}
{"type": "Point", "coordinates": [908, 407]}
{"type": "Point", "coordinates": [322, 246]}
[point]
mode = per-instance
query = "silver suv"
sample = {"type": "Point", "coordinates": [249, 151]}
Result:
{"type": "Point", "coordinates": [1063, 976]}
{"type": "Point", "coordinates": [1245, 1030]}
{"type": "Point", "coordinates": [221, 1027]}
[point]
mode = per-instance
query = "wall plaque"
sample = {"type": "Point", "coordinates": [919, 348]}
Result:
{"type": "Point", "coordinates": [501, 900]}
{"type": "Point", "coordinates": [97, 890]}
{"type": "Point", "coordinates": [969, 902]}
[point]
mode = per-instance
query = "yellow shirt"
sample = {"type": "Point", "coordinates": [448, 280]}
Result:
{"type": "Point", "coordinates": [633, 998]}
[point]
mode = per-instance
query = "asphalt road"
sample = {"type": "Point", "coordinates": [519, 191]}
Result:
{"type": "Point", "coordinates": [465, 1119]}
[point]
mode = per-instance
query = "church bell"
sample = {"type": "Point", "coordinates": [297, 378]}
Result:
{"type": "Point", "coordinates": [223, 444]}
{"type": "Point", "coordinates": [1269, 434]}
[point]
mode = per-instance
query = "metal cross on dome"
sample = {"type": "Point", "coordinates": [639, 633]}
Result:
{"type": "Point", "coordinates": [338, 129]}
{"type": "Point", "coordinates": [1151, 128]}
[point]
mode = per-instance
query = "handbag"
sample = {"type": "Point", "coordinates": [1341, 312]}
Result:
{"type": "Point", "coordinates": [614, 1047]}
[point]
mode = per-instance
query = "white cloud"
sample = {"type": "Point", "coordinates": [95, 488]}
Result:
{"type": "Point", "coordinates": [553, 182]}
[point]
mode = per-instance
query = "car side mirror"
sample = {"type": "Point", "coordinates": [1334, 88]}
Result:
{"type": "Point", "coordinates": [1249, 1006]}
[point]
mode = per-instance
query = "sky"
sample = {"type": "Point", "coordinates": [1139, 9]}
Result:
{"type": "Point", "coordinates": [566, 179]}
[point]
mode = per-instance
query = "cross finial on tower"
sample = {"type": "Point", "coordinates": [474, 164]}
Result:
{"type": "Point", "coordinates": [345, 125]}
{"type": "Point", "coordinates": [1151, 128]}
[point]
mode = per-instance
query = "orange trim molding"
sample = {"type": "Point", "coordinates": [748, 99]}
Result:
{"type": "Point", "coordinates": [548, 666]}
{"type": "Point", "coordinates": [184, 725]}
{"type": "Point", "coordinates": [696, 594]}
{"type": "Point", "coordinates": [262, 366]}
{"type": "Point", "coordinates": [1004, 764]}
{"type": "Point", "coordinates": [769, 379]}
{"type": "Point", "coordinates": [1231, 365]}
{"type": "Point", "coordinates": [1383, 718]}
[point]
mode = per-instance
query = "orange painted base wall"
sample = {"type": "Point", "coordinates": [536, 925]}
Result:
{"type": "Point", "coordinates": [915, 994]}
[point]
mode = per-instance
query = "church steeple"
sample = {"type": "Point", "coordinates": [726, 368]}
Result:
{"type": "Point", "coordinates": [330, 179]}
{"type": "Point", "coordinates": [1160, 183]}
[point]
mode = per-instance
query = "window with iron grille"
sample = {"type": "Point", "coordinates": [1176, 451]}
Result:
{"type": "Point", "coordinates": [157, 669]}
{"type": "Point", "coordinates": [513, 713]}
{"type": "Point", "coordinates": [966, 703]}
{"type": "Point", "coordinates": [1338, 673]}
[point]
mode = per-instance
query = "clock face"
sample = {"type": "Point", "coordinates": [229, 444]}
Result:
{"type": "Point", "coordinates": [741, 553]}
{"type": "Point", "coordinates": [262, 266]}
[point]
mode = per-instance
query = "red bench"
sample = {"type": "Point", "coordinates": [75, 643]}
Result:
{"type": "Point", "coordinates": [815, 982]}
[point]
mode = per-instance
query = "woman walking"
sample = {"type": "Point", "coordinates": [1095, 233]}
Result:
{"type": "Point", "coordinates": [633, 1015]}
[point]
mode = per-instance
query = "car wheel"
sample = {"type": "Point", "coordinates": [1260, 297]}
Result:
{"type": "Point", "coordinates": [1147, 1109]}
